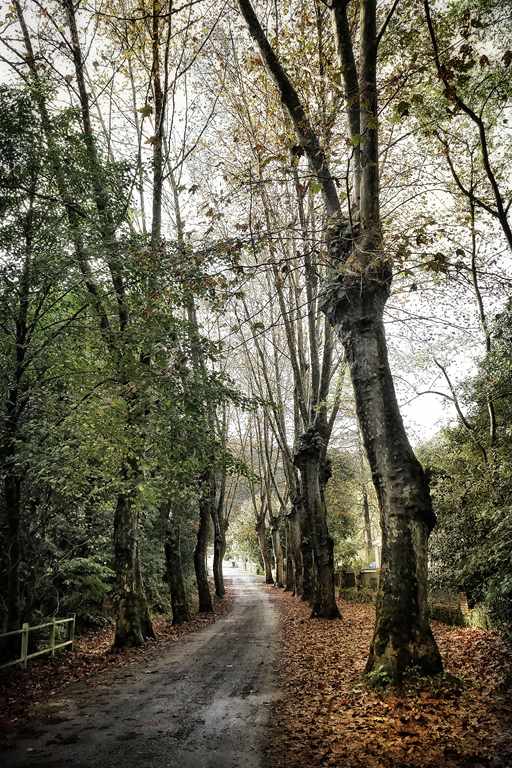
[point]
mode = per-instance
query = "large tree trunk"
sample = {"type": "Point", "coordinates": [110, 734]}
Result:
{"type": "Point", "coordinates": [293, 554]}
{"type": "Point", "coordinates": [402, 637]}
{"type": "Point", "coordinates": [133, 622]}
{"type": "Point", "coordinates": [222, 554]}
{"type": "Point", "coordinates": [218, 552]}
{"type": "Point", "coordinates": [278, 551]}
{"type": "Point", "coordinates": [290, 566]}
{"type": "Point", "coordinates": [307, 591]}
{"type": "Point", "coordinates": [174, 569]}
{"type": "Point", "coordinates": [131, 611]}
{"type": "Point", "coordinates": [261, 532]}
{"type": "Point", "coordinates": [309, 457]}
{"type": "Point", "coordinates": [301, 549]}
{"type": "Point", "coordinates": [301, 553]}
{"type": "Point", "coordinates": [200, 552]}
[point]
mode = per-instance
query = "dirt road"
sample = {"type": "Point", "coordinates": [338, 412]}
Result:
{"type": "Point", "coordinates": [203, 704]}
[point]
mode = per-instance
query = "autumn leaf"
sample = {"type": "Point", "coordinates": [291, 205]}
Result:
{"type": "Point", "coordinates": [327, 715]}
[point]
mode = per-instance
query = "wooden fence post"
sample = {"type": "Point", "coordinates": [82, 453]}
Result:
{"type": "Point", "coordinates": [52, 636]}
{"type": "Point", "coordinates": [24, 645]}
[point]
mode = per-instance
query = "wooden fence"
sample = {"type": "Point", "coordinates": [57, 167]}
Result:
{"type": "Point", "coordinates": [54, 643]}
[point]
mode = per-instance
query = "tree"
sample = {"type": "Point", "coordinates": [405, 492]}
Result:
{"type": "Point", "coordinates": [33, 282]}
{"type": "Point", "coordinates": [469, 548]}
{"type": "Point", "coordinates": [354, 303]}
{"type": "Point", "coordinates": [478, 97]}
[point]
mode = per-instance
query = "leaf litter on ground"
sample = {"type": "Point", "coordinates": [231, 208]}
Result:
{"type": "Point", "coordinates": [327, 715]}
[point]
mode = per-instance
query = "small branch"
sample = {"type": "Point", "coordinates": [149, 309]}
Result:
{"type": "Point", "coordinates": [460, 414]}
{"type": "Point", "coordinates": [388, 18]}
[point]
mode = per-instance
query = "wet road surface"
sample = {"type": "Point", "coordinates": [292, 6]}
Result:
{"type": "Point", "coordinates": [204, 703]}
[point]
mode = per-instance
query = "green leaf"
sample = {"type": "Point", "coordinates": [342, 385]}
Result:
{"type": "Point", "coordinates": [402, 108]}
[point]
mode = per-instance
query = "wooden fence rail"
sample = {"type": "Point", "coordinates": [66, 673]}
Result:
{"type": "Point", "coordinates": [51, 648]}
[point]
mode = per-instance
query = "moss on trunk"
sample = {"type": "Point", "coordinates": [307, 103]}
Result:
{"type": "Point", "coordinates": [131, 612]}
{"type": "Point", "coordinates": [403, 639]}
{"type": "Point", "coordinates": [310, 457]}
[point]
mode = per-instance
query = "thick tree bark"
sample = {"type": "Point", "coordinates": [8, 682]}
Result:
{"type": "Point", "coordinates": [307, 561]}
{"type": "Point", "coordinates": [133, 622]}
{"type": "Point", "coordinates": [174, 570]}
{"type": "Point", "coordinates": [310, 458]}
{"type": "Point", "coordinates": [222, 554]}
{"type": "Point", "coordinates": [131, 609]}
{"type": "Point", "coordinates": [200, 552]}
{"type": "Point", "coordinates": [290, 569]}
{"type": "Point", "coordinates": [219, 547]}
{"type": "Point", "coordinates": [261, 532]}
{"type": "Point", "coordinates": [301, 550]}
{"type": "Point", "coordinates": [402, 637]}
{"type": "Point", "coordinates": [294, 569]}
{"type": "Point", "coordinates": [278, 551]}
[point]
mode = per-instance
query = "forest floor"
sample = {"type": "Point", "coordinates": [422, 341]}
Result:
{"type": "Point", "coordinates": [327, 716]}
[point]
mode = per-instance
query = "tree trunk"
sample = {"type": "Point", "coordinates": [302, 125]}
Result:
{"type": "Point", "coordinates": [309, 457]}
{"type": "Point", "coordinates": [289, 570]}
{"type": "Point", "coordinates": [278, 551]}
{"type": "Point", "coordinates": [133, 622]}
{"type": "Point", "coordinates": [402, 637]}
{"type": "Point", "coordinates": [8, 465]}
{"type": "Point", "coordinates": [174, 569]}
{"type": "Point", "coordinates": [301, 552]}
{"type": "Point", "coordinates": [218, 552]}
{"type": "Point", "coordinates": [12, 488]}
{"type": "Point", "coordinates": [200, 551]}
{"type": "Point", "coordinates": [367, 525]}
{"type": "Point", "coordinates": [11, 559]}
{"type": "Point", "coordinates": [354, 306]}
{"type": "Point", "coordinates": [223, 553]}
{"type": "Point", "coordinates": [261, 532]}
{"type": "Point", "coordinates": [307, 590]}
{"type": "Point", "coordinates": [293, 554]}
